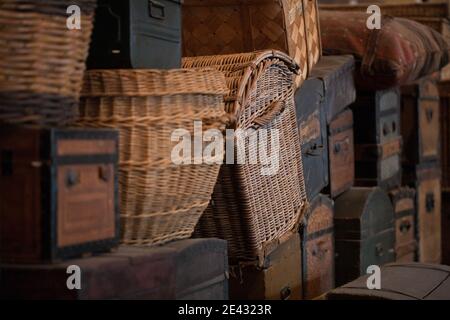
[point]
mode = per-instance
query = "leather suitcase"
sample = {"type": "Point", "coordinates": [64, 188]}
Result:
{"type": "Point", "coordinates": [429, 213]}
{"type": "Point", "coordinates": [420, 123]}
{"type": "Point", "coordinates": [444, 91]}
{"type": "Point", "coordinates": [404, 203]}
{"type": "Point", "coordinates": [278, 279]}
{"type": "Point", "coordinates": [413, 281]}
{"type": "Point", "coordinates": [337, 74]}
{"type": "Point", "coordinates": [378, 142]}
{"type": "Point", "coordinates": [446, 227]}
{"type": "Point", "coordinates": [317, 241]}
{"type": "Point", "coordinates": [217, 27]}
{"type": "Point", "coordinates": [137, 34]}
{"type": "Point", "coordinates": [58, 193]}
{"type": "Point", "coordinates": [341, 153]}
{"type": "Point", "coordinates": [187, 269]}
{"type": "Point", "coordinates": [364, 232]}
{"type": "Point", "coordinates": [313, 134]}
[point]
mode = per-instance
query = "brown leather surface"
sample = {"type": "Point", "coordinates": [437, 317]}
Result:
{"type": "Point", "coordinates": [20, 227]}
{"type": "Point", "coordinates": [400, 52]}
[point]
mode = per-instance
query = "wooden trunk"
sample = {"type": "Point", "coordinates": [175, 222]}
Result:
{"type": "Point", "coordinates": [377, 117]}
{"type": "Point", "coordinates": [313, 134]}
{"type": "Point", "coordinates": [404, 203]}
{"type": "Point", "coordinates": [58, 193]}
{"type": "Point", "coordinates": [412, 281]}
{"type": "Point", "coordinates": [444, 91]}
{"type": "Point", "coordinates": [341, 153]}
{"type": "Point", "coordinates": [337, 74]}
{"type": "Point", "coordinates": [446, 227]}
{"type": "Point", "coordinates": [420, 125]}
{"type": "Point", "coordinates": [317, 240]}
{"type": "Point", "coordinates": [377, 139]}
{"type": "Point", "coordinates": [379, 164]}
{"type": "Point", "coordinates": [364, 232]}
{"type": "Point", "coordinates": [278, 279]}
{"type": "Point", "coordinates": [166, 272]}
{"type": "Point", "coordinates": [429, 213]}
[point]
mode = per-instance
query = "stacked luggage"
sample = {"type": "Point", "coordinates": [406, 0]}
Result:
{"type": "Point", "coordinates": [324, 141]}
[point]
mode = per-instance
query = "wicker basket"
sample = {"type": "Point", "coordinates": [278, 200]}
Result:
{"type": "Point", "coordinates": [160, 201]}
{"type": "Point", "coordinates": [213, 27]}
{"type": "Point", "coordinates": [42, 61]}
{"type": "Point", "coordinates": [251, 211]}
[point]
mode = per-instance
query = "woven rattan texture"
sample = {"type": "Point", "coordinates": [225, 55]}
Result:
{"type": "Point", "coordinates": [41, 60]}
{"type": "Point", "coordinates": [160, 200]}
{"type": "Point", "coordinates": [212, 27]}
{"type": "Point", "coordinates": [250, 210]}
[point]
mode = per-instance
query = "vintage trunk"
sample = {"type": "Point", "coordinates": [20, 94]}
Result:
{"type": "Point", "coordinates": [378, 142]}
{"type": "Point", "coordinates": [309, 102]}
{"type": "Point", "coordinates": [317, 241]}
{"type": "Point", "coordinates": [420, 124]}
{"type": "Point", "coordinates": [337, 74]}
{"type": "Point", "coordinates": [413, 281]}
{"type": "Point", "coordinates": [429, 212]}
{"type": "Point", "coordinates": [138, 34]}
{"type": "Point", "coordinates": [208, 255]}
{"type": "Point", "coordinates": [364, 232]}
{"type": "Point", "coordinates": [165, 272]}
{"type": "Point", "coordinates": [212, 27]}
{"type": "Point", "coordinates": [446, 227]}
{"type": "Point", "coordinates": [58, 193]}
{"type": "Point", "coordinates": [280, 278]}
{"type": "Point", "coordinates": [404, 202]}
{"type": "Point", "coordinates": [341, 153]}
{"type": "Point", "coordinates": [377, 117]}
{"type": "Point", "coordinates": [379, 164]}
{"type": "Point", "coordinates": [444, 91]}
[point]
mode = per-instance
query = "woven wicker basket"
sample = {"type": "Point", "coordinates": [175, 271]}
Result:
{"type": "Point", "coordinates": [42, 61]}
{"type": "Point", "coordinates": [160, 201]}
{"type": "Point", "coordinates": [213, 27]}
{"type": "Point", "coordinates": [251, 211]}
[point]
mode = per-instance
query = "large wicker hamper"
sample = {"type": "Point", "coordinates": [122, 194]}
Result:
{"type": "Point", "coordinates": [252, 211]}
{"type": "Point", "coordinates": [160, 199]}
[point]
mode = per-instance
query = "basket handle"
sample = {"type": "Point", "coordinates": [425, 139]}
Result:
{"type": "Point", "coordinates": [271, 113]}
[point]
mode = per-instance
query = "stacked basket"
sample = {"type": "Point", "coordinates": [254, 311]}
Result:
{"type": "Point", "coordinates": [161, 199]}
{"type": "Point", "coordinates": [42, 61]}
